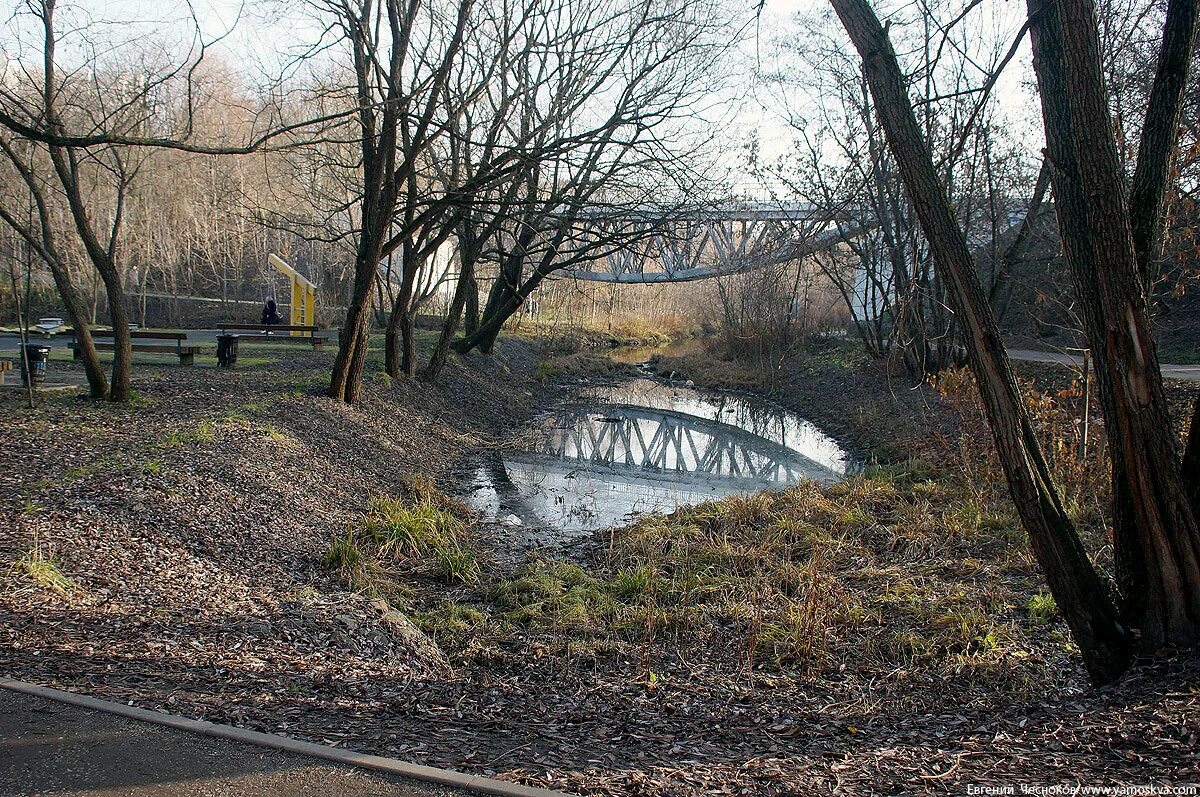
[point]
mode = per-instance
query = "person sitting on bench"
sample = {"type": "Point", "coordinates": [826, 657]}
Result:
{"type": "Point", "coordinates": [270, 314]}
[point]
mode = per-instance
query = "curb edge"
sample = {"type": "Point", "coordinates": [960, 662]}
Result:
{"type": "Point", "coordinates": [391, 766]}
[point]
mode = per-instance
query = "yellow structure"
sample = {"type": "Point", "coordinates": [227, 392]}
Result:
{"type": "Point", "coordinates": [304, 294]}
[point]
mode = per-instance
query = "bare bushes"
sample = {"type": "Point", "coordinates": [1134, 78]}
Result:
{"type": "Point", "coordinates": [767, 312]}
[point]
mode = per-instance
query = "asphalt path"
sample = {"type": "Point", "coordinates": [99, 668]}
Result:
{"type": "Point", "coordinates": [47, 747]}
{"type": "Point", "coordinates": [1191, 373]}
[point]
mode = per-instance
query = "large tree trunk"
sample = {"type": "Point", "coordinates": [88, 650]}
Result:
{"type": "Point", "coordinates": [1190, 471]}
{"type": "Point", "coordinates": [77, 313]}
{"type": "Point", "coordinates": [471, 311]}
{"type": "Point", "coordinates": [484, 337]}
{"type": "Point", "coordinates": [1079, 591]}
{"type": "Point", "coordinates": [503, 300]}
{"type": "Point", "coordinates": [1156, 539]}
{"type": "Point", "coordinates": [391, 338]}
{"type": "Point", "coordinates": [65, 167]}
{"type": "Point", "coordinates": [118, 311]}
{"type": "Point", "coordinates": [346, 379]}
{"type": "Point", "coordinates": [408, 343]}
{"type": "Point", "coordinates": [401, 359]}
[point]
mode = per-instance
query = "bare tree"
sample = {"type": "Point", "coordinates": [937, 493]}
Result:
{"type": "Point", "coordinates": [625, 81]}
{"type": "Point", "coordinates": [403, 54]}
{"type": "Point", "coordinates": [1156, 538]}
{"type": "Point", "coordinates": [1077, 587]}
{"type": "Point", "coordinates": [843, 168]}
{"type": "Point", "coordinates": [39, 233]}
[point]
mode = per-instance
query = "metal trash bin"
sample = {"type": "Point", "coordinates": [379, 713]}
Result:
{"type": "Point", "coordinates": [227, 351]}
{"type": "Point", "coordinates": [38, 357]}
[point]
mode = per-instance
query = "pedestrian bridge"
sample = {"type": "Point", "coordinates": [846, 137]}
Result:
{"type": "Point", "coordinates": [645, 246]}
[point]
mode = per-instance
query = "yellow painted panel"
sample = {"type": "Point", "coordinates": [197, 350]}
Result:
{"type": "Point", "coordinates": [304, 294]}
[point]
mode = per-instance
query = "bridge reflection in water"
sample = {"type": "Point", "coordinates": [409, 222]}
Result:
{"type": "Point", "coordinates": [673, 446]}
{"type": "Point", "coordinates": [647, 447]}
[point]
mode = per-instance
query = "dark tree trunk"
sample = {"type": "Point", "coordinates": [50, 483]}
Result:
{"type": "Point", "coordinates": [1079, 591]}
{"type": "Point", "coordinates": [1156, 540]}
{"type": "Point", "coordinates": [464, 286]}
{"type": "Point", "coordinates": [345, 381]}
{"type": "Point", "coordinates": [484, 338]}
{"type": "Point", "coordinates": [471, 317]}
{"type": "Point", "coordinates": [118, 311]}
{"type": "Point", "coordinates": [1191, 459]}
{"type": "Point", "coordinates": [77, 312]}
{"type": "Point", "coordinates": [503, 300]}
{"type": "Point", "coordinates": [401, 353]}
{"type": "Point", "coordinates": [392, 354]}
{"type": "Point", "coordinates": [408, 343]}
{"type": "Point", "coordinates": [102, 260]}
{"type": "Point", "coordinates": [1160, 134]}
{"type": "Point", "coordinates": [1147, 213]}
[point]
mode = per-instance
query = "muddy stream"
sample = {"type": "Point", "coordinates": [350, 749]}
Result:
{"type": "Point", "coordinates": [615, 452]}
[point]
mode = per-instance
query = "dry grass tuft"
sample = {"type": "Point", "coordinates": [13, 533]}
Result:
{"type": "Point", "coordinates": [44, 571]}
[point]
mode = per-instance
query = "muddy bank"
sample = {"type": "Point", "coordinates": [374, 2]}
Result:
{"type": "Point", "coordinates": [874, 413]}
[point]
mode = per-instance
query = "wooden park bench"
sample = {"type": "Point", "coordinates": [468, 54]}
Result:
{"type": "Point", "coordinates": [5, 367]}
{"type": "Point", "coordinates": [153, 342]}
{"type": "Point", "coordinates": [276, 333]}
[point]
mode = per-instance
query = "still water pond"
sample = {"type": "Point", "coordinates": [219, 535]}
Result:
{"type": "Point", "coordinates": [641, 447]}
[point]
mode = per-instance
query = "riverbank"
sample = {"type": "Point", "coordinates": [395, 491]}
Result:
{"type": "Point", "coordinates": [886, 635]}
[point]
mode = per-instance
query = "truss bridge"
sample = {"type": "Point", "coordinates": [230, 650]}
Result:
{"type": "Point", "coordinates": [705, 244]}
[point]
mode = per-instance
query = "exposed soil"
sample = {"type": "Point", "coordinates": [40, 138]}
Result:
{"type": "Point", "coordinates": [193, 525]}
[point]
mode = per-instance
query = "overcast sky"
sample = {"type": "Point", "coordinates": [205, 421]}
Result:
{"type": "Point", "coordinates": [266, 31]}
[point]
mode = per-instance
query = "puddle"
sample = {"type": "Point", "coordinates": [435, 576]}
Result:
{"type": "Point", "coordinates": [638, 355]}
{"type": "Point", "coordinates": [641, 447]}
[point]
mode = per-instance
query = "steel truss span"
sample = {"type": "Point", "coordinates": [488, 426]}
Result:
{"type": "Point", "coordinates": [706, 244]}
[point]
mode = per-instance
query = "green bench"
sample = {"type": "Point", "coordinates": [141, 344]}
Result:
{"type": "Point", "coordinates": [143, 341]}
{"type": "Point", "coordinates": [276, 333]}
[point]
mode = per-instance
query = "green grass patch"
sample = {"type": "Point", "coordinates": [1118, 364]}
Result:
{"type": "Point", "coordinates": [451, 622]}
{"type": "Point", "coordinates": [421, 532]}
{"type": "Point", "coordinates": [1041, 607]}
{"type": "Point", "coordinates": [1179, 355]}
{"type": "Point", "coordinates": [274, 433]}
{"type": "Point", "coordinates": [44, 571]}
{"type": "Point", "coordinates": [202, 433]}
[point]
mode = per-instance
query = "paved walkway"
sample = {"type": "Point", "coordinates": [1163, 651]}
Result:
{"type": "Point", "coordinates": [1190, 373]}
{"type": "Point", "coordinates": [1170, 370]}
{"type": "Point", "coordinates": [10, 340]}
{"type": "Point", "coordinates": [47, 747]}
